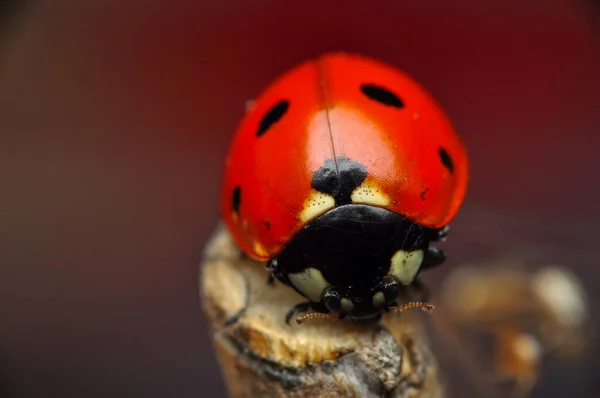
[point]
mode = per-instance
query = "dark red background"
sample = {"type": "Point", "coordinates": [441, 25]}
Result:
{"type": "Point", "coordinates": [115, 119]}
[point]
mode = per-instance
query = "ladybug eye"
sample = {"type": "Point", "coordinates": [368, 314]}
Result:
{"type": "Point", "coordinates": [336, 303]}
{"type": "Point", "coordinates": [381, 95]}
{"type": "Point", "coordinates": [332, 300]}
{"type": "Point", "coordinates": [390, 289]}
{"type": "Point", "coordinates": [272, 117]}
{"type": "Point", "coordinates": [446, 160]}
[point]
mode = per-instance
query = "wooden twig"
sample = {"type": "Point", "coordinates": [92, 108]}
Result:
{"type": "Point", "coordinates": [261, 356]}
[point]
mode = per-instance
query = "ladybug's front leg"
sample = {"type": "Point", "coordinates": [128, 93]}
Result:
{"type": "Point", "coordinates": [440, 235]}
{"type": "Point", "coordinates": [434, 256]}
{"type": "Point", "coordinates": [275, 273]}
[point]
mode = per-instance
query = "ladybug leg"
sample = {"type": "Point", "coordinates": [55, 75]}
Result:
{"type": "Point", "coordinates": [433, 257]}
{"type": "Point", "coordinates": [275, 273]}
{"type": "Point", "coordinates": [270, 266]}
{"type": "Point", "coordinates": [300, 307]}
{"type": "Point", "coordinates": [443, 233]}
{"type": "Point", "coordinates": [236, 317]}
{"type": "Point", "coordinates": [439, 235]}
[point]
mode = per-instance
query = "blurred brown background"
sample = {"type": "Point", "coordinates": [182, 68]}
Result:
{"type": "Point", "coordinates": [114, 123]}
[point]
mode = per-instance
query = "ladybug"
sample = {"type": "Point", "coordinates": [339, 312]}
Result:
{"type": "Point", "coordinates": [341, 175]}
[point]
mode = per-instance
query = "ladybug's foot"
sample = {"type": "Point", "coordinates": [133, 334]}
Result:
{"type": "Point", "coordinates": [300, 307]}
{"type": "Point", "coordinates": [433, 257]}
{"type": "Point", "coordinates": [441, 234]}
{"type": "Point", "coordinates": [275, 273]}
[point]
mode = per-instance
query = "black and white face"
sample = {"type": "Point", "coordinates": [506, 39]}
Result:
{"type": "Point", "coordinates": [354, 260]}
{"type": "Point", "coordinates": [360, 301]}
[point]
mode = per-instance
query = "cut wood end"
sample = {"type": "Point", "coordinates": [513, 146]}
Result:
{"type": "Point", "coordinates": [261, 354]}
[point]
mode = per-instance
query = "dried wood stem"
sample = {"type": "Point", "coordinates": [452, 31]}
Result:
{"type": "Point", "coordinates": [261, 356]}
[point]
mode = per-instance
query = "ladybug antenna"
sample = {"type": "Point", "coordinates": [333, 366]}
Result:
{"type": "Point", "coordinates": [413, 304]}
{"type": "Point", "coordinates": [426, 307]}
{"type": "Point", "coordinates": [315, 315]}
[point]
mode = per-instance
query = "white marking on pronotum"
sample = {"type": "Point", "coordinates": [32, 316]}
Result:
{"type": "Point", "coordinates": [405, 265]}
{"type": "Point", "coordinates": [310, 283]}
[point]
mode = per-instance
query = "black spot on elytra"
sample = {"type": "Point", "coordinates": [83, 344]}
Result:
{"type": "Point", "coordinates": [272, 117]}
{"type": "Point", "coordinates": [382, 95]}
{"type": "Point", "coordinates": [236, 199]}
{"type": "Point", "coordinates": [446, 160]}
{"type": "Point", "coordinates": [267, 225]}
{"type": "Point", "coordinates": [339, 181]}
{"type": "Point", "coordinates": [423, 194]}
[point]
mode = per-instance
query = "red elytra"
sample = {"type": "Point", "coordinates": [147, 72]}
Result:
{"type": "Point", "coordinates": [339, 105]}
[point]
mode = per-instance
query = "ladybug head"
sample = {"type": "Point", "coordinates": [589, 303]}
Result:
{"type": "Point", "coordinates": [363, 307]}
{"type": "Point", "coordinates": [355, 261]}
